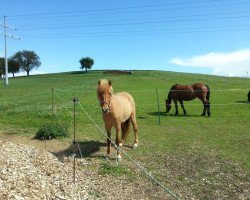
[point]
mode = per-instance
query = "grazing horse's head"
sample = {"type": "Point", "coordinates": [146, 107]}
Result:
{"type": "Point", "coordinates": [104, 94]}
{"type": "Point", "coordinates": [168, 105]}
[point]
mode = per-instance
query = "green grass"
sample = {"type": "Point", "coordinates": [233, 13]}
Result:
{"type": "Point", "coordinates": [26, 104]}
{"type": "Point", "coordinates": [118, 170]}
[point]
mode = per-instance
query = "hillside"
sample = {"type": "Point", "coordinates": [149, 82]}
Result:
{"type": "Point", "coordinates": [196, 157]}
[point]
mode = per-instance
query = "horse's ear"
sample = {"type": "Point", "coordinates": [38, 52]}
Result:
{"type": "Point", "coordinates": [99, 82]}
{"type": "Point", "coordinates": [110, 83]}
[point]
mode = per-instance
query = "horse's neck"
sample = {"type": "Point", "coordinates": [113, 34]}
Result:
{"type": "Point", "coordinates": [169, 99]}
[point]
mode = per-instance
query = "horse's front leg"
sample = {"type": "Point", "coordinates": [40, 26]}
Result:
{"type": "Point", "coordinates": [182, 106]}
{"type": "Point", "coordinates": [176, 106]}
{"type": "Point", "coordinates": [108, 129]}
{"type": "Point", "coordinates": [118, 141]}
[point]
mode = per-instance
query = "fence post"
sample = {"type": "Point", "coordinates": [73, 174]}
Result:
{"type": "Point", "coordinates": [158, 105]}
{"type": "Point", "coordinates": [85, 90]}
{"type": "Point", "coordinates": [75, 100]}
{"type": "Point", "coordinates": [52, 103]}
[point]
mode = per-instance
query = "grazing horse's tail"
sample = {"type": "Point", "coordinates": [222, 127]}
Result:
{"type": "Point", "coordinates": [208, 93]}
{"type": "Point", "coordinates": [125, 129]}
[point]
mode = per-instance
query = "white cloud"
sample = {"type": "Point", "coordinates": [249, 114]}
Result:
{"type": "Point", "coordinates": [235, 63]}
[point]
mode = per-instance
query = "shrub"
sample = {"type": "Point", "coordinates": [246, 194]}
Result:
{"type": "Point", "coordinates": [52, 130]}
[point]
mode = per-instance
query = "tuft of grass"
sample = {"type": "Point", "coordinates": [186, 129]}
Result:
{"type": "Point", "coordinates": [52, 131]}
{"type": "Point", "coordinates": [107, 169]}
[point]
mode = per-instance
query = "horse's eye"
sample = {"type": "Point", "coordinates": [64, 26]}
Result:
{"type": "Point", "coordinates": [110, 94]}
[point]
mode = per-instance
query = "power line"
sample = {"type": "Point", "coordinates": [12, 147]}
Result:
{"type": "Point", "coordinates": [129, 33]}
{"type": "Point", "coordinates": [139, 20]}
{"type": "Point", "coordinates": [5, 27]}
{"type": "Point", "coordinates": [118, 10]}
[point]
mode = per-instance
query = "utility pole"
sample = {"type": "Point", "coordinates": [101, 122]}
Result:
{"type": "Point", "coordinates": [5, 27]}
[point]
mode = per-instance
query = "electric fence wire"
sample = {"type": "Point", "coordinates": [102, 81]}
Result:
{"type": "Point", "coordinates": [149, 174]}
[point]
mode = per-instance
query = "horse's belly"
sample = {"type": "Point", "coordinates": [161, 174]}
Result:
{"type": "Point", "coordinates": [124, 113]}
{"type": "Point", "coordinates": [187, 98]}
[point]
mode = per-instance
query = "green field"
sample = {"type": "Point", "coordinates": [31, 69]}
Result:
{"type": "Point", "coordinates": [183, 145]}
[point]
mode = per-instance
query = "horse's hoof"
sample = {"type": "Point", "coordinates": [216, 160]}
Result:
{"type": "Point", "coordinates": [107, 157]}
{"type": "Point", "coordinates": [119, 158]}
{"type": "Point", "coordinates": [135, 145]}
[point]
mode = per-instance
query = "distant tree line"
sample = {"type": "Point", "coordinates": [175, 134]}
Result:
{"type": "Point", "coordinates": [28, 60]}
{"type": "Point", "coordinates": [21, 61]}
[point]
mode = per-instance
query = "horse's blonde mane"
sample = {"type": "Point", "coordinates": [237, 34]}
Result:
{"type": "Point", "coordinates": [103, 81]}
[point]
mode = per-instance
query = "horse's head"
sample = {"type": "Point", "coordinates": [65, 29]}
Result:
{"type": "Point", "coordinates": [168, 105]}
{"type": "Point", "coordinates": [104, 94]}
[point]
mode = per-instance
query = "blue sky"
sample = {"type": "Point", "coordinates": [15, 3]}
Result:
{"type": "Point", "coordinates": [198, 36]}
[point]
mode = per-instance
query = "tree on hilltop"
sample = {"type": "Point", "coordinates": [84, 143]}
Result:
{"type": "Point", "coordinates": [28, 60]}
{"type": "Point", "coordinates": [86, 63]}
{"type": "Point", "coordinates": [13, 66]}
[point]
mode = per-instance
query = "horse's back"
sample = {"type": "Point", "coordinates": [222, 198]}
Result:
{"type": "Point", "coordinates": [189, 92]}
{"type": "Point", "coordinates": [199, 87]}
{"type": "Point", "coordinates": [125, 97]}
{"type": "Point", "coordinates": [182, 92]}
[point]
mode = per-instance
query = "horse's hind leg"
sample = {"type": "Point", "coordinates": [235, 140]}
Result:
{"type": "Point", "coordinates": [204, 109]}
{"type": "Point", "coordinates": [208, 108]}
{"type": "Point", "coordinates": [125, 130]}
{"type": "Point", "coordinates": [135, 127]}
{"type": "Point", "coordinates": [182, 106]}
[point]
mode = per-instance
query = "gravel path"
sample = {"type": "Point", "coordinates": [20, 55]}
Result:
{"type": "Point", "coordinates": [31, 173]}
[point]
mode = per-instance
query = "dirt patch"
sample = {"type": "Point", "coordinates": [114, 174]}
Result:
{"type": "Point", "coordinates": [91, 184]}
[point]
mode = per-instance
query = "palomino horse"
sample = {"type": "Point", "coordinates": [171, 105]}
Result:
{"type": "Point", "coordinates": [189, 92]}
{"type": "Point", "coordinates": [118, 111]}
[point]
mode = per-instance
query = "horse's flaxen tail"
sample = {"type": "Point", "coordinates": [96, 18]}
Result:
{"type": "Point", "coordinates": [125, 129]}
{"type": "Point", "coordinates": [208, 93]}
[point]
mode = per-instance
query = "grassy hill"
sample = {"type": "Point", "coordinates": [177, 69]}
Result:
{"type": "Point", "coordinates": [183, 145]}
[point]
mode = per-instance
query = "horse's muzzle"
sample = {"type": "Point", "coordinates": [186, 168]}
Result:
{"type": "Point", "coordinates": [105, 110]}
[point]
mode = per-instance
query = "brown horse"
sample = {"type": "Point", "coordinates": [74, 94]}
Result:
{"type": "Point", "coordinates": [189, 92]}
{"type": "Point", "coordinates": [119, 112]}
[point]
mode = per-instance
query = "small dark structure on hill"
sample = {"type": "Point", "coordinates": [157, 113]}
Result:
{"type": "Point", "coordinates": [118, 72]}
{"type": "Point", "coordinates": [248, 96]}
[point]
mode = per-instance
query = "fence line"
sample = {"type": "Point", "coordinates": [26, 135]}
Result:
{"type": "Point", "coordinates": [167, 90]}
{"type": "Point", "coordinates": [130, 158]}
{"type": "Point", "coordinates": [72, 89]}
{"type": "Point", "coordinates": [28, 95]}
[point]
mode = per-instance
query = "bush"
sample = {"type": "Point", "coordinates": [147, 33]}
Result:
{"type": "Point", "coordinates": [52, 130]}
